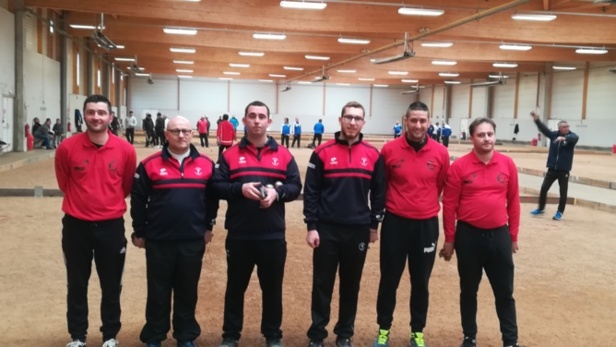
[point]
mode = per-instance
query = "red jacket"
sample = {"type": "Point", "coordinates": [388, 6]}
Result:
{"type": "Point", "coordinates": [225, 134]}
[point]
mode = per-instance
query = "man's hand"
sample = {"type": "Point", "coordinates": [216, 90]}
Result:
{"type": "Point", "coordinates": [208, 236]}
{"type": "Point", "coordinates": [447, 251]}
{"type": "Point", "coordinates": [374, 235]}
{"type": "Point", "coordinates": [138, 242]}
{"type": "Point", "coordinates": [514, 247]}
{"type": "Point", "coordinates": [270, 198]}
{"type": "Point", "coordinates": [312, 239]}
{"type": "Point", "coordinates": [560, 139]}
{"type": "Point", "coordinates": [251, 191]}
{"type": "Point", "coordinates": [534, 115]}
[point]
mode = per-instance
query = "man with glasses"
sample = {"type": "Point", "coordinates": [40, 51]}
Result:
{"type": "Point", "coordinates": [416, 167]}
{"type": "Point", "coordinates": [344, 200]}
{"type": "Point", "coordinates": [173, 209]}
{"type": "Point", "coordinates": [560, 161]}
{"type": "Point", "coordinates": [256, 177]}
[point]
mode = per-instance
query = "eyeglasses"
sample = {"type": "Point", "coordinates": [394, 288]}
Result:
{"type": "Point", "coordinates": [348, 119]}
{"type": "Point", "coordinates": [177, 132]}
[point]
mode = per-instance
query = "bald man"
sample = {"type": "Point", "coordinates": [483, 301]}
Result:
{"type": "Point", "coordinates": [173, 211]}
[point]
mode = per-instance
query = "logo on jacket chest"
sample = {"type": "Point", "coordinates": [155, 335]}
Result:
{"type": "Point", "coordinates": [198, 171]}
{"type": "Point", "coordinates": [333, 161]}
{"type": "Point", "coordinates": [364, 161]}
{"type": "Point", "coordinates": [275, 161]}
{"type": "Point", "coordinates": [242, 160]}
{"type": "Point", "coordinates": [163, 172]}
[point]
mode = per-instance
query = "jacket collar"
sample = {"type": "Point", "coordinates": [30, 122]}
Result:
{"type": "Point", "coordinates": [194, 153]}
{"type": "Point", "coordinates": [271, 143]}
{"type": "Point", "coordinates": [345, 142]}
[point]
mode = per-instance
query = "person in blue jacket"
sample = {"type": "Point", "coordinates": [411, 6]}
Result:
{"type": "Point", "coordinates": [235, 123]}
{"type": "Point", "coordinates": [297, 133]}
{"type": "Point", "coordinates": [319, 129]}
{"type": "Point", "coordinates": [397, 130]}
{"type": "Point", "coordinates": [285, 131]}
{"type": "Point", "coordinates": [560, 161]}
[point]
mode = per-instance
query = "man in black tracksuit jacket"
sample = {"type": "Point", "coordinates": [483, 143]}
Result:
{"type": "Point", "coordinates": [256, 177]}
{"type": "Point", "coordinates": [173, 209]}
{"type": "Point", "coordinates": [344, 201]}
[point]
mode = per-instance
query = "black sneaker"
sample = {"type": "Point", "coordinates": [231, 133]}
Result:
{"type": "Point", "coordinates": [343, 342]}
{"type": "Point", "coordinates": [469, 342]}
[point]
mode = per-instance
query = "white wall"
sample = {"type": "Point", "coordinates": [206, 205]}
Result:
{"type": "Point", "coordinates": [567, 95]}
{"type": "Point", "coordinates": [7, 52]}
{"type": "Point", "coordinates": [601, 103]}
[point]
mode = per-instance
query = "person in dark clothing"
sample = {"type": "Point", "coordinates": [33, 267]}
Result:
{"type": "Point", "coordinates": [36, 123]}
{"type": "Point", "coordinates": [560, 161]}
{"type": "Point", "coordinates": [516, 130]}
{"type": "Point", "coordinates": [318, 129]}
{"type": "Point", "coordinates": [255, 222]}
{"type": "Point", "coordinates": [148, 128]}
{"type": "Point", "coordinates": [58, 132]}
{"type": "Point", "coordinates": [342, 210]}
{"type": "Point", "coordinates": [114, 125]}
{"type": "Point", "coordinates": [159, 129]}
{"type": "Point", "coordinates": [78, 120]}
{"type": "Point", "coordinates": [173, 216]}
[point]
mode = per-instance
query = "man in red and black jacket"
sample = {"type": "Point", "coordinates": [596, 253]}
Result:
{"type": "Point", "coordinates": [173, 210]}
{"type": "Point", "coordinates": [482, 196]}
{"type": "Point", "coordinates": [256, 177]}
{"type": "Point", "coordinates": [225, 134]}
{"type": "Point", "coordinates": [344, 202]}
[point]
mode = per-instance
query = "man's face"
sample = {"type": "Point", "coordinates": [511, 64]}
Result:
{"type": "Point", "coordinates": [179, 135]}
{"type": "Point", "coordinates": [97, 117]}
{"type": "Point", "coordinates": [256, 120]}
{"type": "Point", "coordinates": [563, 128]}
{"type": "Point", "coordinates": [417, 123]}
{"type": "Point", "coordinates": [483, 138]}
{"type": "Point", "coordinates": [351, 122]}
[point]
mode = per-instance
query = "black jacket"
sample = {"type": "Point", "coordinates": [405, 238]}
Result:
{"type": "Point", "coordinates": [560, 156]}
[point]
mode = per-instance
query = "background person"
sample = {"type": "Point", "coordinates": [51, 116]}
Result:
{"type": "Point", "coordinates": [203, 129]}
{"type": "Point", "coordinates": [319, 129]}
{"type": "Point", "coordinates": [131, 123]}
{"type": "Point", "coordinates": [397, 130]}
{"type": "Point", "coordinates": [285, 131]}
{"type": "Point", "coordinates": [297, 133]}
{"type": "Point", "coordinates": [225, 135]}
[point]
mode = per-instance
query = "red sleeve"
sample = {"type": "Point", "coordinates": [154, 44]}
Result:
{"type": "Point", "coordinates": [513, 202]}
{"type": "Point", "coordinates": [218, 132]}
{"type": "Point", "coordinates": [451, 199]}
{"type": "Point", "coordinates": [129, 171]}
{"type": "Point", "coordinates": [62, 167]}
{"type": "Point", "coordinates": [442, 176]}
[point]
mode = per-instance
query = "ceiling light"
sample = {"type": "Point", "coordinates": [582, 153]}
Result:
{"type": "Point", "coordinates": [192, 0]}
{"type": "Point", "coordinates": [444, 62]}
{"type": "Point", "coordinates": [513, 47]}
{"type": "Point", "coordinates": [343, 84]}
{"type": "Point", "coordinates": [437, 44]}
{"type": "Point", "coordinates": [120, 46]}
{"type": "Point", "coordinates": [449, 74]}
{"type": "Point", "coordinates": [381, 85]}
{"type": "Point", "coordinates": [399, 73]}
{"type": "Point", "coordinates": [353, 41]}
{"type": "Point", "coordinates": [498, 76]}
{"type": "Point", "coordinates": [266, 81]}
{"type": "Point", "coordinates": [505, 65]}
{"type": "Point", "coordinates": [225, 78]}
{"type": "Point", "coordinates": [182, 50]}
{"type": "Point", "coordinates": [123, 59]}
{"type": "Point", "coordinates": [534, 17]}
{"type": "Point", "coordinates": [180, 31]}
{"type": "Point", "coordinates": [251, 54]}
{"type": "Point", "coordinates": [293, 68]}
{"type": "Point", "coordinates": [189, 62]}
{"type": "Point", "coordinates": [365, 79]}
{"type": "Point", "coordinates": [302, 5]}
{"type": "Point", "coordinates": [269, 36]}
{"type": "Point", "coordinates": [347, 71]}
{"type": "Point", "coordinates": [184, 70]}
{"type": "Point", "coordinates": [141, 74]}
{"type": "Point", "coordinates": [452, 82]}
{"type": "Point", "coordinates": [184, 76]}
{"type": "Point", "coordinates": [239, 65]}
{"type": "Point", "coordinates": [564, 68]}
{"type": "Point", "coordinates": [409, 81]}
{"type": "Point", "coordinates": [321, 78]}
{"type": "Point", "coordinates": [400, 56]}
{"type": "Point", "coordinates": [234, 73]}
{"type": "Point", "coordinates": [316, 57]}
{"type": "Point", "coordinates": [488, 83]}
{"type": "Point", "coordinates": [591, 50]}
{"type": "Point", "coordinates": [277, 75]}
{"type": "Point", "coordinates": [135, 67]}
{"type": "Point", "coordinates": [102, 41]}
{"type": "Point", "coordinates": [82, 26]}
{"type": "Point", "coordinates": [304, 82]}
{"type": "Point", "coordinates": [414, 11]}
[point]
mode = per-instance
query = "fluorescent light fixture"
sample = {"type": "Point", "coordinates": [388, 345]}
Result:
{"type": "Point", "coordinates": [591, 51]}
{"type": "Point", "coordinates": [381, 85]}
{"type": "Point", "coordinates": [347, 71]}
{"type": "Point", "coordinates": [498, 76]}
{"type": "Point", "coordinates": [293, 68]}
{"type": "Point", "coordinates": [141, 74]}
{"type": "Point", "coordinates": [225, 78]}
{"type": "Point", "coordinates": [304, 82]}
{"type": "Point", "coordinates": [234, 73]}
{"type": "Point", "coordinates": [120, 46]}
{"type": "Point", "coordinates": [302, 5]}
{"type": "Point", "coordinates": [98, 78]}
{"type": "Point", "coordinates": [409, 81]}
{"type": "Point", "coordinates": [398, 73]}
{"type": "Point", "coordinates": [449, 74]}
{"type": "Point", "coordinates": [353, 41]}
{"type": "Point", "coordinates": [184, 76]}
{"type": "Point", "coordinates": [365, 79]}
{"type": "Point", "coordinates": [277, 75]}
{"type": "Point", "coordinates": [488, 83]}
{"type": "Point", "coordinates": [400, 56]}
{"type": "Point", "coordinates": [82, 26]}
{"type": "Point", "coordinates": [239, 65]}
{"type": "Point", "coordinates": [180, 31]}
{"type": "Point", "coordinates": [505, 65]}
{"type": "Point", "coordinates": [321, 78]}
{"type": "Point", "coordinates": [184, 70]}
{"type": "Point", "coordinates": [251, 54]}
{"type": "Point", "coordinates": [444, 62]}
{"type": "Point", "coordinates": [343, 84]}
{"type": "Point", "coordinates": [133, 68]}
{"type": "Point", "coordinates": [514, 47]}
{"type": "Point", "coordinates": [414, 11]}
{"type": "Point", "coordinates": [123, 59]}
{"type": "Point", "coordinates": [534, 17]}
{"type": "Point", "coordinates": [187, 62]}
{"type": "Point", "coordinates": [269, 36]}
{"type": "Point", "coordinates": [437, 44]}
{"type": "Point", "coordinates": [182, 50]}
{"type": "Point", "coordinates": [192, 0]}
{"type": "Point", "coordinates": [452, 82]}
{"type": "Point", "coordinates": [564, 68]}
{"type": "Point", "coordinates": [266, 81]}
{"type": "Point", "coordinates": [316, 57]}
{"type": "Point", "coordinates": [102, 41]}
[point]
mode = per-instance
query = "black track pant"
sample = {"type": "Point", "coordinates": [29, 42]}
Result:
{"type": "Point", "coordinates": [344, 247]}
{"type": "Point", "coordinates": [446, 141]}
{"type": "Point", "coordinates": [172, 267]}
{"type": "Point", "coordinates": [104, 242]}
{"type": "Point", "coordinates": [284, 139]}
{"type": "Point", "coordinates": [317, 138]}
{"type": "Point", "coordinates": [486, 250]}
{"type": "Point", "coordinates": [563, 182]}
{"type": "Point", "coordinates": [297, 138]}
{"type": "Point", "coordinates": [405, 240]}
{"type": "Point", "coordinates": [160, 138]}
{"type": "Point", "coordinates": [242, 255]}
{"type": "Point", "coordinates": [204, 140]}
{"type": "Point", "coordinates": [130, 135]}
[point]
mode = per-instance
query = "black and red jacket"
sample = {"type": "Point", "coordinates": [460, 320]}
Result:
{"type": "Point", "coordinates": [173, 201]}
{"type": "Point", "coordinates": [345, 184]}
{"type": "Point", "coordinates": [244, 163]}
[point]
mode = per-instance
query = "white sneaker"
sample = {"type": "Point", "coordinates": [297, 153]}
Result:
{"type": "Point", "coordinates": [76, 343]}
{"type": "Point", "coordinates": [111, 343]}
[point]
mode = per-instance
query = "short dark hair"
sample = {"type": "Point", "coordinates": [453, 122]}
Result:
{"type": "Point", "coordinates": [353, 104]}
{"type": "Point", "coordinates": [258, 104]}
{"type": "Point", "coordinates": [474, 124]}
{"type": "Point", "coordinates": [96, 98]}
{"type": "Point", "coordinates": [225, 117]}
{"type": "Point", "coordinates": [418, 106]}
